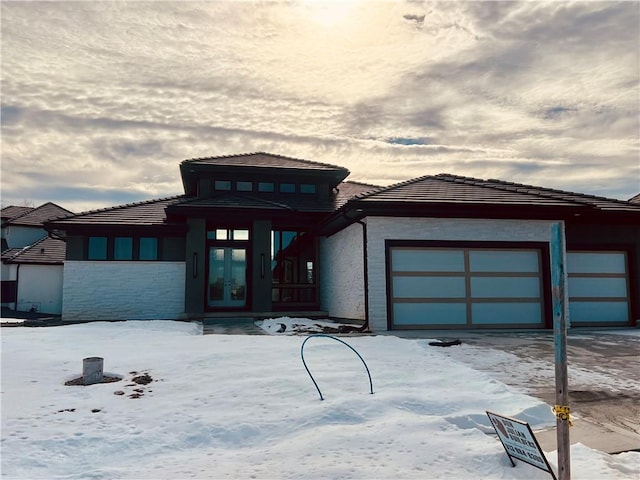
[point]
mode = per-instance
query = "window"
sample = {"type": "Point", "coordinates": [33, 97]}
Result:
{"type": "Point", "coordinates": [237, 234]}
{"type": "Point", "coordinates": [123, 248]}
{"type": "Point", "coordinates": [292, 267]}
{"type": "Point", "coordinates": [222, 185]}
{"type": "Point", "coordinates": [240, 234]}
{"type": "Point", "coordinates": [307, 188]}
{"type": "Point", "coordinates": [97, 248]}
{"type": "Point", "coordinates": [265, 187]}
{"type": "Point", "coordinates": [148, 248]}
{"type": "Point", "coordinates": [244, 186]}
{"type": "Point", "coordinates": [287, 188]}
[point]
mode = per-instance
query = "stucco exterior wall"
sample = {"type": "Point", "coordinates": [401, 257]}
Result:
{"type": "Point", "coordinates": [18, 237]}
{"type": "Point", "coordinates": [383, 228]}
{"type": "Point", "coordinates": [40, 288]}
{"type": "Point", "coordinates": [342, 274]}
{"type": "Point", "coordinates": [123, 290]}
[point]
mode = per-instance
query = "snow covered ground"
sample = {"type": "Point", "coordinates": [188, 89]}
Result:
{"type": "Point", "coordinates": [233, 406]}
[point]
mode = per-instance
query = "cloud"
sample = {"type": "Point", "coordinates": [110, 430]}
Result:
{"type": "Point", "coordinates": [110, 97]}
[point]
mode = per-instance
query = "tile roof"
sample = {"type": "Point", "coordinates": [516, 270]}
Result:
{"type": "Point", "coordinates": [454, 189]}
{"type": "Point", "coordinates": [9, 253]}
{"type": "Point", "coordinates": [36, 217]}
{"type": "Point", "coordinates": [146, 213]}
{"type": "Point", "coordinates": [47, 251]}
{"type": "Point", "coordinates": [262, 159]}
{"type": "Point", "coordinates": [13, 211]}
{"type": "Point", "coordinates": [349, 190]}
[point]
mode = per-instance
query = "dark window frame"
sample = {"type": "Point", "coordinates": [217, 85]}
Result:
{"type": "Point", "coordinates": [110, 248]}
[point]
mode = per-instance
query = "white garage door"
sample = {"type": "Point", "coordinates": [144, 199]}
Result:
{"type": "Point", "coordinates": [465, 287]}
{"type": "Point", "coordinates": [598, 288]}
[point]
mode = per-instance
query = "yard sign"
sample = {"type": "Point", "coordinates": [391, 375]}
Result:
{"type": "Point", "coordinates": [519, 442]}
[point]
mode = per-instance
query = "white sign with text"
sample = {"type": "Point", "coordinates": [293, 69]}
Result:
{"type": "Point", "coordinates": [519, 442]}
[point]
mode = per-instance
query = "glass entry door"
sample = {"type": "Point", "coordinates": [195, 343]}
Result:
{"type": "Point", "coordinates": [227, 282]}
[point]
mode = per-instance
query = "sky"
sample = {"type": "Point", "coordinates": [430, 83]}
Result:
{"type": "Point", "coordinates": [243, 407]}
{"type": "Point", "coordinates": [101, 101]}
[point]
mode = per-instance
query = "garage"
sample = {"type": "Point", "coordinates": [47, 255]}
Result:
{"type": "Point", "coordinates": [471, 285]}
{"type": "Point", "coordinates": [598, 287]}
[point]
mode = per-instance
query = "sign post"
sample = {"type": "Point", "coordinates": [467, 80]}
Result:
{"type": "Point", "coordinates": [519, 442]}
{"type": "Point", "coordinates": [561, 408]}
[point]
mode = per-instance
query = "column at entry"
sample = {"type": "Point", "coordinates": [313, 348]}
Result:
{"type": "Point", "coordinates": [227, 282]}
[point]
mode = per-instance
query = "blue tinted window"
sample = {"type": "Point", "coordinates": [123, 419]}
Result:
{"type": "Point", "coordinates": [123, 248]}
{"type": "Point", "coordinates": [244, 186]}
{"type": "Point", "coordinates": [288, 187]}
{"type": "Point", "coordinates": [265, 187]}
{"type": "Point", "coordinates": [307, 188]}
{"type": "Point", "coordinates": [148, 248]}
{"type": "Point", "coordinates": [97, 248]}
{"type": "Point", "coordinates": [222, 185]}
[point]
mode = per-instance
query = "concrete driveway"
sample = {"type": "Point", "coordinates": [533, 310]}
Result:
{"type": "Point", "coordinates": [604, 377]}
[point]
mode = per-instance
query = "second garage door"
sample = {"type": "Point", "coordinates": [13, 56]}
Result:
{"type": "Point", "coordinates": [442, 287]}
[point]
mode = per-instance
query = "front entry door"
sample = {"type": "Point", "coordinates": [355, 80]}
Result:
{"type": "Point", "coordinates": [227, 282]}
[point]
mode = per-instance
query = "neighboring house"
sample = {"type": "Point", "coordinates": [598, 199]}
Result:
{"type": "Point", "coordinates": [31, 261]}
{"type": "Point", "coordinates": [35, 275]}
{"type": "Point", "coordinates": [635, 199]}
{"type": "Point", "coordinates": [260, 235]}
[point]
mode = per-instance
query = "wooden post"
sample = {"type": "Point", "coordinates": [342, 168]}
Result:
{"type": "Point", "coordinates": [560, 347]}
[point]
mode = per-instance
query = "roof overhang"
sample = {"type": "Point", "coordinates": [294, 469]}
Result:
{"type": "Point", "coordinates": [356, 210]}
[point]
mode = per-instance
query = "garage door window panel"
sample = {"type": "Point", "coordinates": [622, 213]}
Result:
{"type": "Point", "coordinates": [506, 313]}
{"type": "Point", "coordinates": [441, 314]}
{"type": "Point", "coordinates": [405, 260]}
{"type": "Point", "coordinates": [505, 287]}
{"type": "Point", "coordinates": [429, 287]}
{"type": "Point", "coordinates": [504, 261]}
{"type": "Point", "coordinates": [598, 287]}
{"type": "Point", "coordinates": [596, 262]}
{"type": "Point", "coordinates": [440, 286]}
{"type": "Point", "coordinates": [597, 312]}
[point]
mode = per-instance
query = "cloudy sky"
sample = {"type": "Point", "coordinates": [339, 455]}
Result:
{"type": "Point", "coordinates": [101, 101]}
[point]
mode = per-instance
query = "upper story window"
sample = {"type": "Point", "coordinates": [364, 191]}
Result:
{"type": "Point", "coordinates": [244, 186]}
{"type": "Point", "coordinates": [265, 187]}
{"type": "Point", "coordinates": [123, 248]}
{"type": "Point", "coordinates": [97, 248]}
{"type": "Point", "coordinates": [288, 188]}
{"type": "Point", "coordinates": [148, 248]}
{"type": "Point", "coordinates": [224, 185]}
{"type": "Point", "coordinates": [307, 188]}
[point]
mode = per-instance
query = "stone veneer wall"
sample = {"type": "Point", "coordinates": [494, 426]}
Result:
{"type": "Point", "coordinates": [123, 290]}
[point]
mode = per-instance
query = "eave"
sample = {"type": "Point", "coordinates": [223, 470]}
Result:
{"type": "Point", "coordinates": [356, 210]}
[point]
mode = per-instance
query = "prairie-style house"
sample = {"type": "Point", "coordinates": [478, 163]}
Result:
{"type": "Point", "coordinates": [259, 235]}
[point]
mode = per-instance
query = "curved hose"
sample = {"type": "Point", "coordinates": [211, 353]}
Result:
{"type": "Point", "coordinates": [342, 342]}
